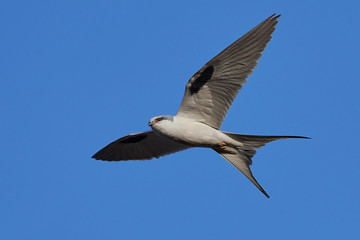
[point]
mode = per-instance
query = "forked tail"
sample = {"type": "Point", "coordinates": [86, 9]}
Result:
{"type": "Point", "coordinates": [253, 142]}
{"type": "Point", "coordinates": [241, 157]}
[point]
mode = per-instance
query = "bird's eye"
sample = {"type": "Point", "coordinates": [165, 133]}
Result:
{"type": "Point", "coordinates": [158, 119]}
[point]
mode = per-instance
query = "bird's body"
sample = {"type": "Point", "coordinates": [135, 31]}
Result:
{"type": "Point", "coordinates": [192, 133]}
{"type": "Point", "coordinates": [208, 96]}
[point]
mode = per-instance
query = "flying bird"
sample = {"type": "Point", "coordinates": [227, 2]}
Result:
{"type": "Point", "coordinates": [208, 96]}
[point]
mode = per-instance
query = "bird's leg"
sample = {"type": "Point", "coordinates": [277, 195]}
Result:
{"type": "Point", "coordinates": [223, 145]}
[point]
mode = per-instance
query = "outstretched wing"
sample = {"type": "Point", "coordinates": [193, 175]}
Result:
{"type": "Point", "coordinates": [139, 146]}
{"type": "Point", "coordinates": [211, 91]}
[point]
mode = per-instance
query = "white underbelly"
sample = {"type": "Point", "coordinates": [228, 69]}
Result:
{"type": "Point", "coordinates": [194, 133]}
{"type": "Point", "coordinates": [198, 134]}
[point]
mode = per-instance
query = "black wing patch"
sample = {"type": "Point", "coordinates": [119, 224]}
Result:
{"type": "Point", "coordinates": [131, 139]}
{"type": "Point", "coordinates": [201, 80]}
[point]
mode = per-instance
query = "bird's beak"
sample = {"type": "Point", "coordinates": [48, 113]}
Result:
{"type": "Point", "coordinates": [150, 124]}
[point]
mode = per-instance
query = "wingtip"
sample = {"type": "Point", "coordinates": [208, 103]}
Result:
{"type": "Point", "coordinates": [274, 16]}
{"type": "Point", "coordinates": [96, 156]}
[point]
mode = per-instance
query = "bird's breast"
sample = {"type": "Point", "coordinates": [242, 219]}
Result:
{"type": "Point", "coordinates": [190, 132]}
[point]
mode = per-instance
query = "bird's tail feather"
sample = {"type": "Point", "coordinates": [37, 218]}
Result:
{"type": "Point", "coordinates": [253, 142]}
{"type": "Point", "coordinates": [241, 157]}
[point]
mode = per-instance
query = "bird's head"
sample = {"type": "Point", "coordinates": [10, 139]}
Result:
{"type": "Point", "coordinates": [160, 120]}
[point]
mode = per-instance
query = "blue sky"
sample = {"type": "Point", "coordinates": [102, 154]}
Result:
{"type": "Point", "coordinates": [76, 75]}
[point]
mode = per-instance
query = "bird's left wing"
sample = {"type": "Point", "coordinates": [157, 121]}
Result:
{"type": "Point", "coordinates": [211, 91]}
{"type": "Point", "coordinates": [139, 146]}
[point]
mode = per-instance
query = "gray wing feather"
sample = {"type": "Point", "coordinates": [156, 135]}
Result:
{"type": "Point", "coordinates": [139, 146]}
{"type": "Point", "coordinates": [211, 91]}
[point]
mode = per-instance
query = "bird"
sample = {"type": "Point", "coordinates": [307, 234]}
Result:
{"type": "Point", "coordinates": [208, 96]}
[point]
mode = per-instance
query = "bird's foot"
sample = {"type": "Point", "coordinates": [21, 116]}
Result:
{"type": "Point", "coordinates": [223, 146]}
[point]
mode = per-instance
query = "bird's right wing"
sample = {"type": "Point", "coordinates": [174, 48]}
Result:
{"type": "Point", "coordinates": [139, 146]}
{"type": "Point", "coordinates": [211, 91]}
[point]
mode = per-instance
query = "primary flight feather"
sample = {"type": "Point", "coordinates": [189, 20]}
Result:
{"type": "Point", "coordinates": [207, 99]}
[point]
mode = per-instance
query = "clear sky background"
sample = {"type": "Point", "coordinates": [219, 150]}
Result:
{"type": "Point", "coordinates": [76, 75]}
